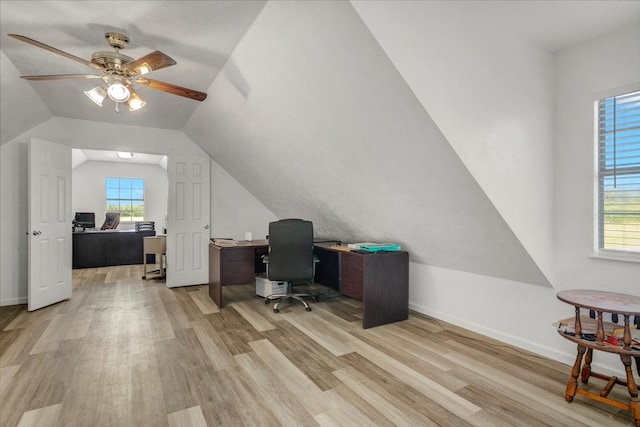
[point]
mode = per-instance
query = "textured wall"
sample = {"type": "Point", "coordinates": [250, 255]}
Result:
{"type": "Point", "coordinates": [326, 128]}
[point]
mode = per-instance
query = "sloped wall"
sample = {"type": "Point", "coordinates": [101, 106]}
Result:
{"type": "Point", "coordinates": [491, 95]}
{"type": "Point", "coordinates": [18, 117]}
{"type": "Point", "coordinates": [327, 129]}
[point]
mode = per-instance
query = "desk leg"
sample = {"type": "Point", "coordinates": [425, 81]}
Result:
{"type": "Point", "coordinates": [572, 384]}
{"type": "Point", "coordinates": [215, 275]}
{"type": "Point", "coordinates": [586, 369]}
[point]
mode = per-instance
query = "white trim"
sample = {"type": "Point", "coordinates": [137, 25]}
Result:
{"type": "Point", "coordinates": [600, 253]}
{"type": "Point", "coordinates": [616, 256]}
{"type": "Point", "coordinates": [620, 90]}
{"type": "Point", "coordinates": [13, 301]}
{"type": "Point", "coordinates": [550, 352]}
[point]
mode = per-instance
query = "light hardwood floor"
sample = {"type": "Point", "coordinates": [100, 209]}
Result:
{"type": "Point", "coordinates": [128, 352]}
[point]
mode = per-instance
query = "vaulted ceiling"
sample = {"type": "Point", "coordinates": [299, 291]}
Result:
{"type": "Point", "coordinates": [201, 36]}
{"type": "Point", "coordinates": [312, 109]}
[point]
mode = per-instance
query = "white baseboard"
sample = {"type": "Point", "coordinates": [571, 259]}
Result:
{"type": "Point", "coordinates": [13, 301]}
{"type": "Point", "coordinates": [551, 353]}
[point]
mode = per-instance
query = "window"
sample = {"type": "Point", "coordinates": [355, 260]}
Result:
{"type": "Point", "coordinates": [618, 120]}
{"type": "Point", "coordinates": [126, 195]}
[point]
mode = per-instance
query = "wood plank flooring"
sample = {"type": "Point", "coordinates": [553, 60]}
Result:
{"type": "Point", "coordinates": [129, 352]}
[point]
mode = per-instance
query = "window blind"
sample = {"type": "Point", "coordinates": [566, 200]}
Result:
{"type": "Point", "coordinates": [619, 172]}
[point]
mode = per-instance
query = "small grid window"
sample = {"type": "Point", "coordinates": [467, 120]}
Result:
{"type": "Point", "coordinates": [126, 195]}
{"type": "Point", "coordinates": [618, 119]}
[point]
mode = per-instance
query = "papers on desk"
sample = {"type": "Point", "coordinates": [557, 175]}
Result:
{"type": "Point", "coordinates": [229, 242]}
{"type": "Point", "coordinates": [343, 248]}
{"type": "Point", "coordinates": [224, 242]}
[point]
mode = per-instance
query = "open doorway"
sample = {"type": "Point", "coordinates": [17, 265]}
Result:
{"type": "Point", "coordinates": [95, 186]}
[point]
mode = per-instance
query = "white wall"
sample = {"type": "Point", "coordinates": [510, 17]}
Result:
{"type": "Point", "coordinates": [89, 193]}
{"type": "Point", "coordinates": [21, 107]}
{"type": "Point", "coordinates": [13, 223]}
{"type": "Point", "coordinates": [234, 210]}
{"type": "Point", "coordinates": [328, 130]}
{"type": "Point", "coordinates": [515, 312]}
{"type": "Point", "coordinates": [583, 74]}
{"type": "Point", "coordinates": [491, 95]}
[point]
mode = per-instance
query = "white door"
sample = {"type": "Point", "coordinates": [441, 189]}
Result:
{"type": "Point", "coordinates": [188, 221]}
{"type": "Point", "coordinates": [49, 223]}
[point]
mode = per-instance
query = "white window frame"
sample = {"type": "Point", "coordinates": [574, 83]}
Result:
{"type": "Point", "coordinates": [601, 173]}
{"type": "Point", "coordinates": [131, 200]}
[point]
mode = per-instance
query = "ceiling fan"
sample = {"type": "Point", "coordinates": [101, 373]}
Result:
{"type": "Point", "coordinates": [118, 73]}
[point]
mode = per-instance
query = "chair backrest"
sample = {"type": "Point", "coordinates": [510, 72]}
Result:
{"type": "Point", "coordinates": [112, 219]}
{"type": "Point", "coordinates": [290, 251]}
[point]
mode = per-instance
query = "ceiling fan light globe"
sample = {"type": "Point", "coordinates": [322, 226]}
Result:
{"type": "Point", "coordinates": [97, 95]}
{"type": "Point", "coordinates": [135, 102]}
{"type": "Point", "coordinates": [118, 92]}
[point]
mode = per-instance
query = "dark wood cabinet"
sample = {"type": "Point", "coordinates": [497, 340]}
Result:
{"type": "Point", "coordinates": [234, 265]}
{"type": "Point", "coordinates": [108, 247]}
{"type": "Point", "coordinates": [380, 280]}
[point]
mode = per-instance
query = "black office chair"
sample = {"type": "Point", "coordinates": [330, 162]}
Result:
{"type": "Point", "coordinates": [290, 258]}
{"type": "Point", "coordinates": [111, 221]}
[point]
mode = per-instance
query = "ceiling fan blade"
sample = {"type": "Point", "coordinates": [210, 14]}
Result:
{"type": "Point", "coordinates": [168, 87]}
{"type": "Point", "coordinates": [151, 62]}
{"type": "Point", "coordinates": [56, 51]}
{"type": "Point", "coordinates": [61, 77]}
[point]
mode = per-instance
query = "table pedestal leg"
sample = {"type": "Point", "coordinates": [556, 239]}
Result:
{"type": "Point", "coordinates": [633, 389]}
{"type": "Point", "coordinates": [572, 384]}
{"type": "Point", "coordinates": [586, 369]}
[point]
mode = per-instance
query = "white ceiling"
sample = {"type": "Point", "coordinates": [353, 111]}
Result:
{"type": "Point", "coordinates": [555, 25]}
{"type": "Point", "coordinates": [202, 35]}
{"type": "Point", "coordinates": [79, 156]}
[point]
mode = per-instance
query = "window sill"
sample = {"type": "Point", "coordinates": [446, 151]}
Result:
{"type": "Point", "coordinates": [616, 256]}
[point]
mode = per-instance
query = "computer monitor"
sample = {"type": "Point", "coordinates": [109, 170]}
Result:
{"type": "Point", "coordinates": [85, 219]}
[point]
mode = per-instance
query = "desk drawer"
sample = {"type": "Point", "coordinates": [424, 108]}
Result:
{"type": "Point", "coordinates": [238, 254]}
{"type": "Point", "coordinates": [352, 275]}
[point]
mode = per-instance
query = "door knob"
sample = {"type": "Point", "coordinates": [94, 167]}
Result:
{"type": "Point", "coordinates": [206, 227]}
{"type": "Point", "coordinates": [37, 232]}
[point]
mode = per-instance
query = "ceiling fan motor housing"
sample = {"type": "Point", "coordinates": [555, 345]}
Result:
{"type": "Point", "coordinates": [111, 61]}
{"type": "Point", "coordinates": [117, 40]}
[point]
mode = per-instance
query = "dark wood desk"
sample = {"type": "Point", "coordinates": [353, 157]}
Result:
{"type": "Point", "coordinates": [108, 247]}
{"type": "Point", "coordinates": [234, 264]}
{"type": "Point", "coordinates": [602, 302]}
{"type": "Point", "coordinates": [379, 280]}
